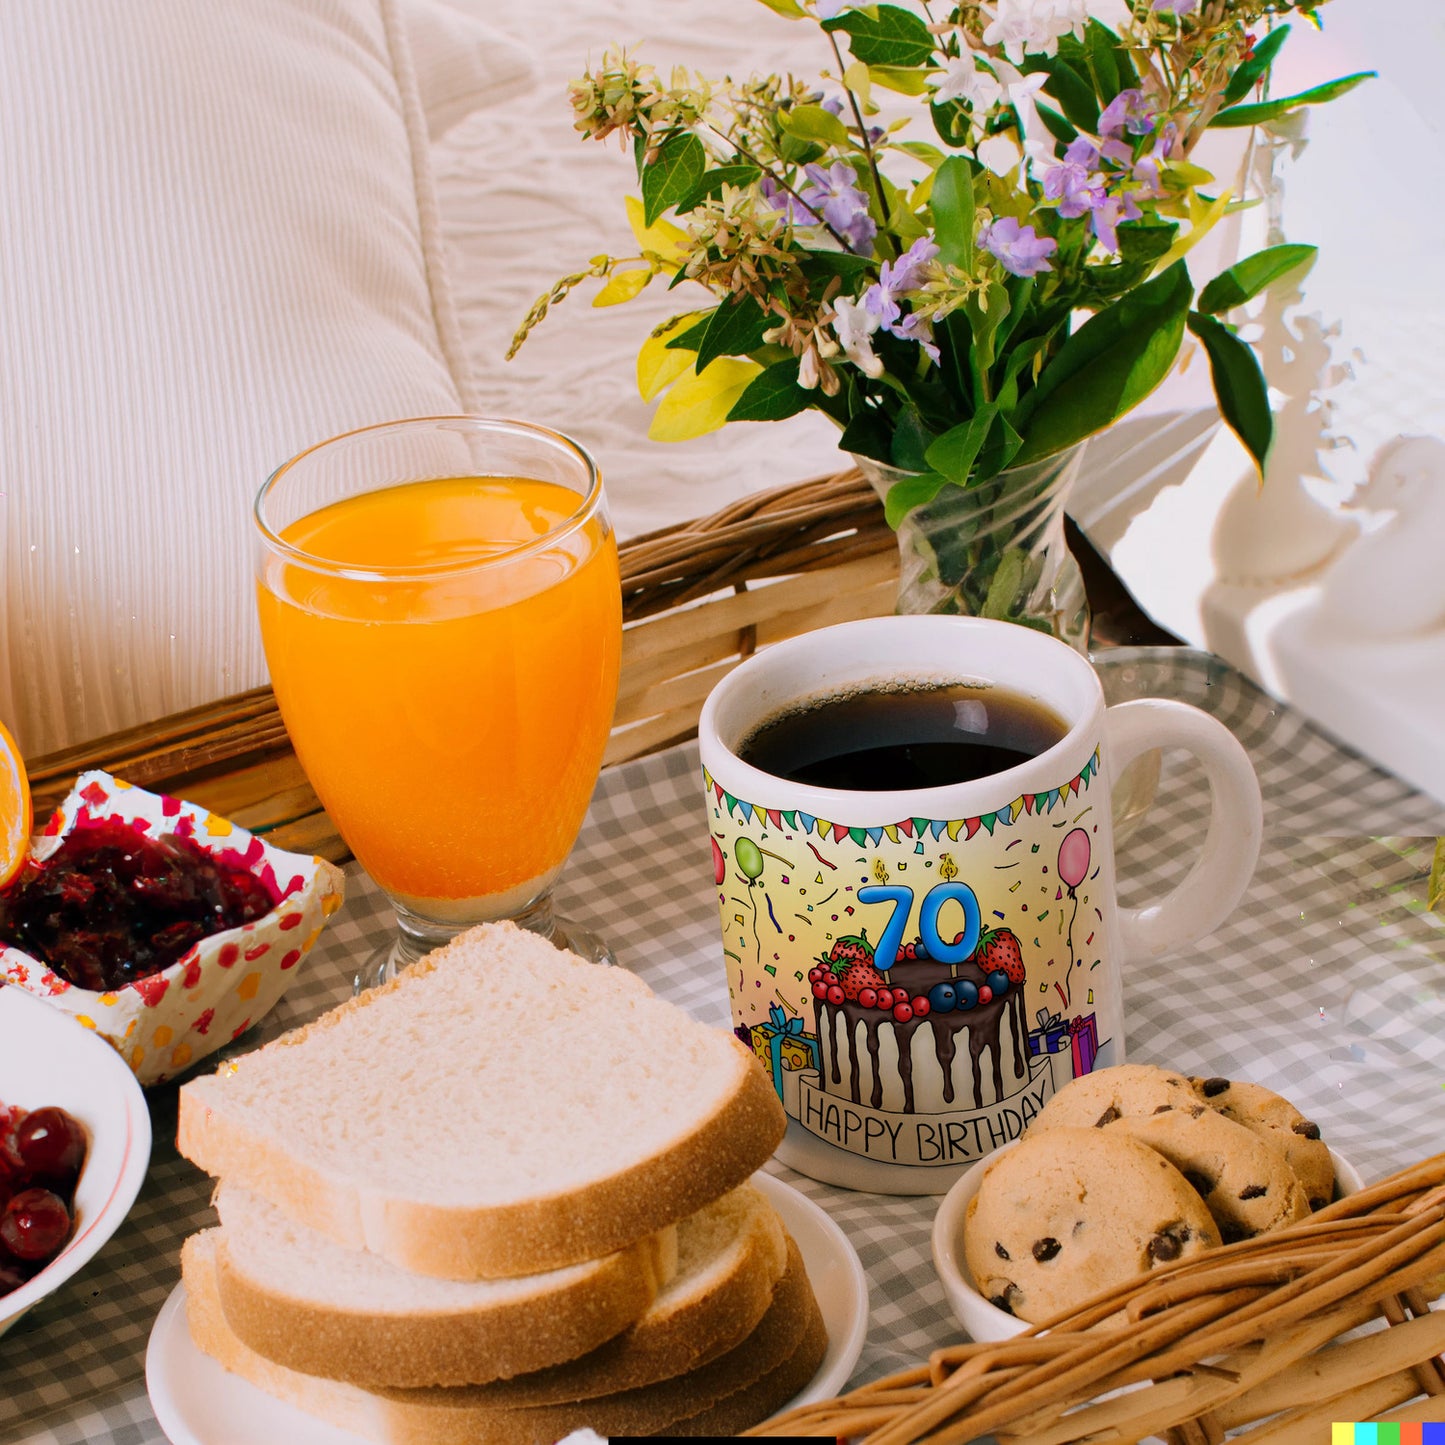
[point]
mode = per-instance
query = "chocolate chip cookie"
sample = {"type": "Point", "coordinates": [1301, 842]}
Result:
{"type": "Point", "coordinates": [1093, 1100]}
{"type": "Point", "coordinates": [1068, 1212]}
{"type": "Point", "coordinates": [1278, 1122]}
{"type": "Point", "coordinates": [1245, 1182]}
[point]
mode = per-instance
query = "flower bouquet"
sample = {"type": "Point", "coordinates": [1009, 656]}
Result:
{"type": "Point", "coordinates": [966, 245]}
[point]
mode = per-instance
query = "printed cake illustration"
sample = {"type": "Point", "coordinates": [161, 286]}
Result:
{"type": "Point", "coordinates": [959, 1029]}
{"type": "Point", "coordinates": [987, 1004]}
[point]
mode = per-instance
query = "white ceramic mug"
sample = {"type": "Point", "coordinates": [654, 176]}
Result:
{"type": "Point", "coordinates": [1000, 887]}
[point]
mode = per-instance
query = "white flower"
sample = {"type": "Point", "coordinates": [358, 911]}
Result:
{"type": "Point", "coordinates": [854, 325]}
{"type": "Point", "coordinates": [966, 79]}
{"type": "Point", "coordinates": [999, 154]}
{"type": "Point", "coordinates": [1033, 26]}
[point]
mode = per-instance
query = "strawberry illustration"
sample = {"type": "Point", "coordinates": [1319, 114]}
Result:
{"type": "Point", "coordinates": [998, 948]}
{"type": "Point", "coordinates": [858, 975]}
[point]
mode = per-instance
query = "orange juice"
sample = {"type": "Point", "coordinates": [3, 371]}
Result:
{"type": "Point", "coordinates": [451, 697]}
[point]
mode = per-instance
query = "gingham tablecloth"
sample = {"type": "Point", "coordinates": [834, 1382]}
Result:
{"type": "Point", "coordinates": [1328, 985]}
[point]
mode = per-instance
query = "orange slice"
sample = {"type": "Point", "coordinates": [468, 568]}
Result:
{"type": "Point", "coordinates": [15, 814]}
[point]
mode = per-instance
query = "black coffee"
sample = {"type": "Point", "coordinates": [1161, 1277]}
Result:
{"type": "Point", "coordinates": [910, 736]}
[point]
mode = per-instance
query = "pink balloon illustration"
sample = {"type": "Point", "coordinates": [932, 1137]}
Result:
{"type": "Point", "coordinates": [1074, 858]}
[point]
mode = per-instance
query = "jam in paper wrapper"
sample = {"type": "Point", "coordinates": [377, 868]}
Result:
{"type": "Point", "coordinates": [164, 1023]}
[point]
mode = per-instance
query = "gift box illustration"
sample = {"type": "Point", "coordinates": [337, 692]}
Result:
{"type": "Point", "coordinates": [1084, 1043]}
{"type": "Point", "coordinates": [782, 1046]}
{"type": "Point", "coordinates": [1051, 1036]}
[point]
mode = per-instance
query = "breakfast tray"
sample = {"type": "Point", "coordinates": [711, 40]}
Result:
{"type": "Point", "coordinates": [1325, 986]}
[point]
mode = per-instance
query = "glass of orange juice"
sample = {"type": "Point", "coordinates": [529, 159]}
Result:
{"type": "Point", "coordinates": [442, 617]}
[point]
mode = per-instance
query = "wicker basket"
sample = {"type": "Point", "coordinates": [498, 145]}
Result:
{"type": "Point", "coordinates": [696, 598]}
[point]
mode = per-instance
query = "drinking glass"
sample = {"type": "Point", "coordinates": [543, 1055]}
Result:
{"type": "Point", "coordinates": [441, 613]}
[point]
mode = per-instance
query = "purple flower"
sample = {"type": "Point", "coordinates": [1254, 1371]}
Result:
{"type": "Point", "coordinates": [1108, 216]}
{"type": "Point", "coordinates": [909, 271]}
{"type": "Point", "coordinates": [1074, 187]}
{"type": "Point", "coordinates": [1082, 152]}
{"type": "Point", "coordinates": [1176, 7]}
{"type": "Point", "coordinates": [835, 195]}
{"type": "Point", "coordinates": [917, 328]}
{"type": "Point", "coordinates": [1021, 251]}
{"type": "Point", "coordinates": [779, 198]}
{"type": "Point", "coordinates": [1131, 111]}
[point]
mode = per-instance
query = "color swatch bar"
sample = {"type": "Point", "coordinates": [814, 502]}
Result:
{"type": "Point", "coordinates": [1386, 1434]}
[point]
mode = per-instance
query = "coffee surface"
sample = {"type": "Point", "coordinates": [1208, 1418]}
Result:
{"type": "Point", "coordinates": [890, 739]}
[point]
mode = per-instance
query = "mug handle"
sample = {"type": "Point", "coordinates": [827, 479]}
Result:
{"type": "Point", "coordinates": [1221, 873]}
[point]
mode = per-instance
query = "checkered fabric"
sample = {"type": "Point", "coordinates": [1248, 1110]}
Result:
{"type": "Point", "coordinates": [1328, 985]}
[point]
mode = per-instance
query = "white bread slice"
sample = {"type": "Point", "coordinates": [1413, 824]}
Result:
{"type": "Point", "coordinates": [312, 1305]}
{"type": "Point", "coordinates": [500, 1108]}
{"type": "Point", "coordinates": [737, 1389]}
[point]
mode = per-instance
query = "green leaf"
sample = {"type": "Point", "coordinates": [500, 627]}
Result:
{"type": "Point", "coordinates": [1100, 55]}
{"type": "Point", "coordinates": [1252, 71]}
{"type": "Point", "coordinates": [1239, 385]}
{"type": "Point", "coordinates": [899, 78]}
{"type": "Point", "coordinates": [911, 440]}
{"type": "Point", "coordinates": [1107, 367]}
{"type": "Point", "coordinates": [885, 35]}
{"type": "Point", "coordinates": [868, 434]}
{"type": "Point", "coordinates": [1073, 92]}
{"type": "Point", "coordinates": [1056, 125]}
{"type": "Point", "coordinates": [691, 339]}
{"type": "Point", "coordinates": [672, 174]}
{"type": "Point", "coordinates": [734, 329]}
{"type": "Point", "coordinates": [1247, 278]}
{"type": "Point", "coordinates": [1435, 895]}
{"type": "Point", "coordinates": [951, 202]}
{"type": "Point", "coordinates": [912, 491]}
{"type": "Point", "coordinates": [813, 123]}
{"type": "Point", "coordinates": [1004, 585]}
{"type": "Point", "coordinates": [1238, 115]}
{"type": "Point", "coordinates": [773, 395]}
{"type": "Point", "coordinates": [953, 454]}
{"type": "Point", "coordinates": [921, 150]}
{"type": "Point", "coordinates": [710, 183]}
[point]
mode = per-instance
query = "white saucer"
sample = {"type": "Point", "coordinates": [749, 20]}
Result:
{"type": "Point", "coordinates": [198, 1403]}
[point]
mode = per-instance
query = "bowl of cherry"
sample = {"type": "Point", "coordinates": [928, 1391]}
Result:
{"type": "Point", "coordinates": [75, 1141]}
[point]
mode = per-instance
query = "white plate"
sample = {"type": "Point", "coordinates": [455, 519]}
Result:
{"type": "Point", "coordinates": [199, 1403]}
{"type": "Point", "coordinates": [48, 1058]}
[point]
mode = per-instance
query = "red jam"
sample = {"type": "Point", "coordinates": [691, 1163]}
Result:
{"type": "Point", "coordinates": [112, 905]}
{"type": "Point", "coordinates": [41, 1154]}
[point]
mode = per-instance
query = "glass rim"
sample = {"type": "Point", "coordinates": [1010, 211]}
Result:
{"type": "Point", "coordinates": [588, 505]}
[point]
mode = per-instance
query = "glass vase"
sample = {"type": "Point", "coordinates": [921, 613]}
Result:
{"type": "Point", "coordinates": [994, 548]}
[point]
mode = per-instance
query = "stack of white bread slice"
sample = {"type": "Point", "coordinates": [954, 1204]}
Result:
{"type": "Point", "coordinates": [501, 1198]}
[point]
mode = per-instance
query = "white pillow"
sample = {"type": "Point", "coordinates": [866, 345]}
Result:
{"type": "Point", "coordinates": [218, 245]}
{"type": "Point", "coordinates": [460, 64]}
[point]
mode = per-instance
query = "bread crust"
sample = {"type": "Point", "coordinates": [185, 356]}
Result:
{"type": "Point", "coordinates": [495, 1240]}
{"type": "Point", "coordinates": [445, 1347]}
{"type": "Point", "coordinates": [739, 1388]}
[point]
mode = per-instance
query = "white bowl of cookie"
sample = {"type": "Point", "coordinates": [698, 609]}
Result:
{"type": "Point", "coordinates": [1148, 1205]}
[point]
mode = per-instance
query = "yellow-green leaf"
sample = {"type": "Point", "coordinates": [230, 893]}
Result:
{"type": "Point", "coordinates": [1202, 218]}
{"type": "Point", "coordinates": [788, 9]}
{"type": "Point", "coordinates": [659, 365]}
{"type": "Point", "coordinates": [696, 405]}
{"type": "Point", "coordinates": [623, 286]}
{"type": "Point", "coordinates": [858, 80]}
{"type": "Point", "coordinates": [662, 238]}
{"type": "Point", "coordinates": [899, 78]}
{"type": "Point", "coordinates": [1435, 898]}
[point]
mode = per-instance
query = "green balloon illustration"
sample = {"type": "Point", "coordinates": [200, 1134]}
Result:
{"type": "Point", "coordinates": [750, 858]}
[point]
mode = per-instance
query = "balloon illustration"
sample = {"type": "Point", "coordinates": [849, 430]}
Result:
{"type": "Point", "coordinates": [1073, 869]}
{"type": "Point", "coordinates": [749, 857]}
{"type": "Point", "coordinates": [1074, 858]}
{"type": "Point", "coordinates": [719, 864]}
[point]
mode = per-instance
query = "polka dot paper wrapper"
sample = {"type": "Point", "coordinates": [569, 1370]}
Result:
{"type": "Point", "coordinates": [163, 1024]}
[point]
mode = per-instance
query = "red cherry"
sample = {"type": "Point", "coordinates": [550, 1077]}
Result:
{"type": "Point", "coordinates": [902, 1012]}
{"type": "Point", "coordinates": [52, 1145]}
{"type": "Point", "coordinates": [34, 1225]}
{"type": "Point", "coordinates": [920, 1006]}
{"type": "Point", "coordinates": [985, 993]}
{"type": "Point", "coordinates": [820, 989]}
{"type": "Point", "coordinates": [835, 993]}
{"type": "Point", "coordinates": [868, 997]}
